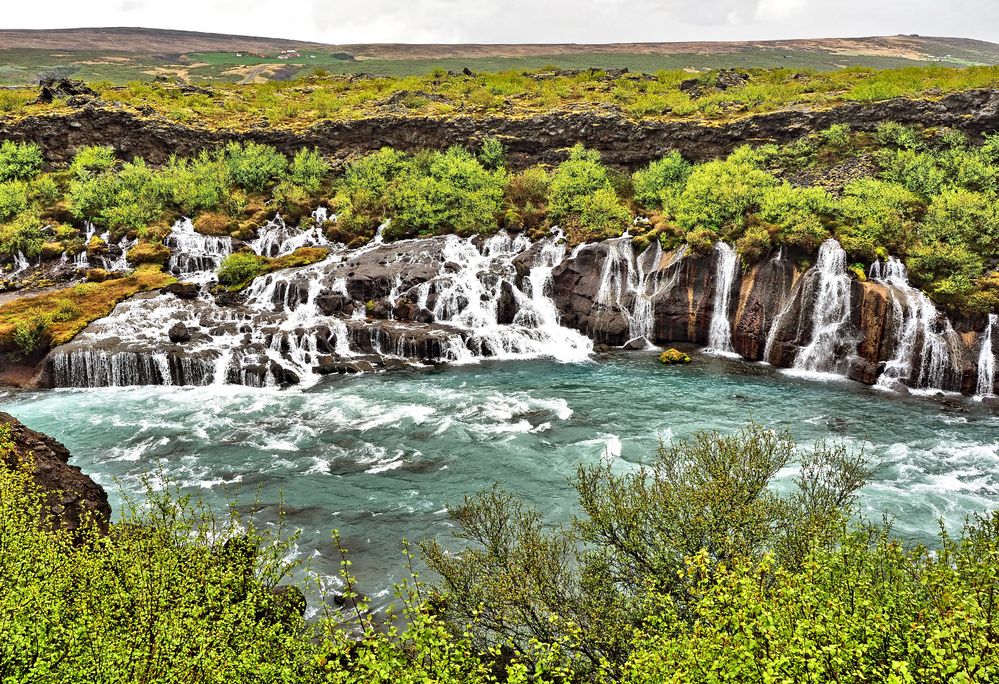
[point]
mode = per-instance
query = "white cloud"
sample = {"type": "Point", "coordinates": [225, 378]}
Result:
{"type": "Point", "coordinates": [520, 21]}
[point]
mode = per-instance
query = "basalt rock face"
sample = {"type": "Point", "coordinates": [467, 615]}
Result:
{"type": "Point", "coordinates": [71, 498]}
{"type": "Point", "coordinates": [532, 139]}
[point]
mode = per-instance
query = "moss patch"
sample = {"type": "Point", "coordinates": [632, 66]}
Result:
{"type": "Point", "coordinates": [673, 357]}
{"type": "Point", "coordinates": [57, 317]}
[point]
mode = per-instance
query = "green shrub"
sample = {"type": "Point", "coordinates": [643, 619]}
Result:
{"type": "Point", "coordinates": [662, 178]}
{"type": "Point", "coordinates": [492, 155]}
{"type": "Point", "coordinates": [798, 214]}
{"type": "Point", "coordinates": [881, 212]}
{"type": "Point", "coordinates": [30, 333]}
{"type": "Point", "coordinates": [894, 134]}
{"type": "Point", "coordinates": [23, 234]}
{"type": "Point", "coordinates": [92, 161]}
{"type": "Point", "coordinates": [307, 170]}
{"type": "Point", "coordinates": [836, 137]}
{"type": "Point", "coordinates": [754, 244]}
{"type": "Point", "coordinates": [19, 161]}
{"type": "Point", "coordinates": [720, 194]}
{"type": "Point", "coordinates": [525, 198]}
{"type": "Point", "coordinates": [445, 192]}
{"type": "Point", "coordinates": [13, 199]}
{"type": "Point", "coordinates": [604, 215]}
{"type": "Point", "coordinates": [239, 268]}
{"type": "Point", "coordinates": [961, 217]}
{"type": "Point", "coordinates": [574, 182]}
{"type": "Point", "coordinates": [252, 166]}
{"type": "Point", "coordinates": [202, 183]}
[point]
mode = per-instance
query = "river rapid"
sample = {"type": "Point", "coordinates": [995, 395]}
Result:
{"type": "Point", "coordinates": [381, 456]}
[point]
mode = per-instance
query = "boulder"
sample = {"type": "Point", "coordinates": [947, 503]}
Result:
{"type": "Point", "coordinates": [71, 499]}
{"type": "Point", "coordinates": [179, 333]}
{"type": "Point", "coordinates": [183, 290]}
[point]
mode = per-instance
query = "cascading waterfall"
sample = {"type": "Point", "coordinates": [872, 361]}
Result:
{"type": "Point", "coordinates": [20, 265]}
{"type": "Point", "coordinates": [469, 298]}
{"type": "Point", "coordinates": [922, 357]}
{"type": "Point", "coordinates": [630, 284]}
{"type": "Point", "coordinates": [987, 361]}
{"type": "Point", "coordinates": [830, 297]}
{"type": "Point", "coordinates": [720, 330]}
{"type": "Point", "coordinates": [277, 238]}
{"type": "Point", "coordinates": [195, 256]}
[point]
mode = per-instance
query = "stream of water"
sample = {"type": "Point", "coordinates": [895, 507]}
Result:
{"type": "Point", "coordinates": [380, 456]}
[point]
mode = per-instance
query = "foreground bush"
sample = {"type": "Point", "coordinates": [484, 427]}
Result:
{"type": "Point", "coordinates": [692, 569]}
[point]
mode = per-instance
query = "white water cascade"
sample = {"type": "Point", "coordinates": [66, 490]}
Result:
{"type": "Point", "coordinates": [922, 357]}
{"type": "Point", "coordinates": [720, 330]}
{"type": "Point", "coordinates": [470, 293]}
{"type": "Point", "coordinates": [630, 284]}
{"type": "Point", "coordinates": [987, 361]}
{"type": "Point", "coordinates": [195, 256]}
{"type": "Point", "coordinates": [830, 296]}
{"type": "Point", "coordinates": [277, 238]}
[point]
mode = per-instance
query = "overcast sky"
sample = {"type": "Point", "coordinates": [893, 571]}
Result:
{"type": "Point", "coordinates": [522, 21]}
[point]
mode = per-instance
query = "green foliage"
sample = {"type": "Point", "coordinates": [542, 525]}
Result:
{"type": "Point", "coordinates": [893, 134]}
{"type": "Point", "coordinates": [13, 199]}
{"type": "Point", "coordinates": [961, 217]}
{"type": "Point", "coordinates": [123, 200]}
{"type": "Point", "coordinates": [945, 270]}
{"type": "Point", "coordinates": [604, 215]}
{"type": "Point", "coordinates": [92, 161]}
{"type": "Point", "coordinates": [622, 562]}
{"type": "Point", "coordinates": [662, 178]}
{"type": "Point", "coordinates": [719, 194]}
{"type": "Point", "coordinates": [836, 137]}
{"type": "Point", "coordinates": [880, 212]}
{"type": "Point", "coordinates": [798, 214]}
{"type": "Point", "coordinates": [445, 192]}
{"type": "Point", "coordinates": [307, 170]}
{"type": "Point", "coordinates": [19, 161]}
{"type": "Point", "coordinates": [525, 198]}
{"type": "Point", "coordinates": [202, 183]}
{"type": "Point", "coordinates": [253, 166]}
{"type": "Point", "coordinates": [574, 182]}
{"type": "Point", "coordinates": [29, 334]}
{"type": "Point", "coordinates": [239, 268]}
{"type": "Point", "coordinates": [23, 234]}
{"type": "Point", "coordinates": [492, 155]}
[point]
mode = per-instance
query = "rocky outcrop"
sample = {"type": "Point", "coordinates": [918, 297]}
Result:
{"type": "Point", "coordinates": [70, 497]}
{"type": "Point", "coordinates": [530, 139]}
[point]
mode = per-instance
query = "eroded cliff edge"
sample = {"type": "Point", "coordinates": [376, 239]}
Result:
{"type": "Point", "coordinates": [529, 139]}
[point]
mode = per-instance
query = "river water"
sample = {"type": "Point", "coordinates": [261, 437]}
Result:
{"type": "Point", "coordinates": [380, 456]}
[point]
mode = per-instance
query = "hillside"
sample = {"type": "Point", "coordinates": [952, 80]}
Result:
{"type": "Point", "coordinates": [124, 54]}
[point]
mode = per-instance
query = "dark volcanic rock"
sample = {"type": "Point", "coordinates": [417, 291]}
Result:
{"type": "Point", "coordinates": [183, 290]}
{"type": "Point", "coordinates": [179, 333]}
{"type": "Point", "coordinates": [530, 139]}
{"type": "Point", "coordinates": [62, 88]}
{"type": "Point", "coordinates": [71, 498]}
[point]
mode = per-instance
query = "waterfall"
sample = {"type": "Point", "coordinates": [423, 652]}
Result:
{"type": "Point", "coordinates": [720, 330]}
{"type": "Point", "coordinates": [923, 338]}
{"type": "Point", "coordinates": [630, 285]}
{"type": "Point", "coordinates": [193, 255]}
{"type": "Point", "coordinates": [469, 298]}
{"type": "Point", "coordinates": [20, 264]}
{"type": "Point", "coordinates": [987, 360]}
{"type": "Point", "coordinates": [278, 239]}
{"type": "Point", "coordinates": [828, 290]}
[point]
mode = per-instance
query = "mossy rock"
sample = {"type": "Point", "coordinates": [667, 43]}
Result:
{"type": "Point", "coordinates": [149, 253]}
{"type": "Point", "coordinates": [97, 275]}
{"type": "Point", "coordinates": [673, 357]}
{"type": "Point", "coordinates": [215, 224]}
{"type": "Point", "coordinates": [51, 250]}
{"type": "Point", "coordinates": [96, 247]}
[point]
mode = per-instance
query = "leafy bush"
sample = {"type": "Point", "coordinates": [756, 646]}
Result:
{"type": "Point", "coordinates": [882, 212]}
{"type": "Point", "coordinates": [719, 194]}
{"type": "Point", "coordinates": [22, 235]}
{"type": "Point", "coordinates": [253, 166]}
{"type": "Point", "coordinates": [92, 161]}
{"type": "Point", "coordinates": [894, 134]}
{"type": "Point", "coordinates": [798, 214]}
{"type": "Point", "coordinates": [240, 267]}
{"type": "Point", "coordinates": [575, 180]}
{"type": "Point", "coordinates": [662, 178]}
{"type": "Point", "coordinates": [604, 215]}
{"type": "Point", "coordinates": [202, 183]}
{"type": "Point", "coordinates": [961, 217]}
{"type": "Point", "coordinates": [492, 155]}
{"type": "Point", "coordinates": [307, 170]}
{"type": "Point", "coordinates": [13, 199]}
{"type": "Point", "coordinates": [125, 200]}
{"type": "Point", "coordinates": [19, 161]}
{"type": "Point", "coordinates": [29, 334]}
{"type": "Point", "coordinates": [525, 198]}
{"type": "Point", "coordinates": [444, 192]}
